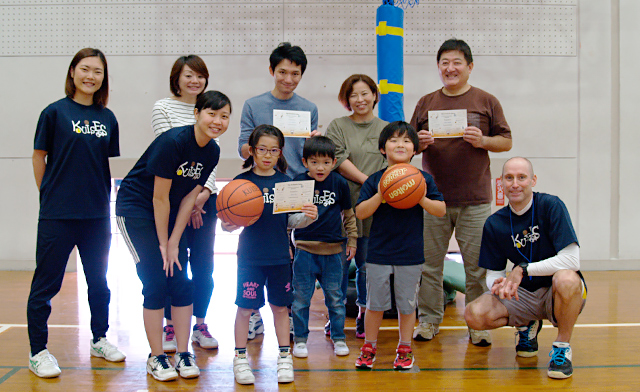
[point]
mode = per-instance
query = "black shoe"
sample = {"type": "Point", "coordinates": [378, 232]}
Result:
{"type": "Point", "coordinates": [360, 327]}
{"type": "Point", "coordinates": [327, 328]}
{"type": "Point", "coordinates": [560, 364]}
{"type": "Point", "coordinates": [528, 339]}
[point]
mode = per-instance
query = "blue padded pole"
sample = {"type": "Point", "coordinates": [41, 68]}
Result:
{"type": "Point", "coordinates": [389, 39]}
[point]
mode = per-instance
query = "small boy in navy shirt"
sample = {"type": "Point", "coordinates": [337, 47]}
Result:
{"type": "Point", "coordinates": [395, 247]}
{"type": "Point", "coordinates": [319, 245]}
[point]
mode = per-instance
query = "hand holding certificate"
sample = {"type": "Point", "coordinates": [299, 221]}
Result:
{"type": "Point", "coordinates": [447, 123]}
{"type": "Point", "coordinates": [292, 123]}
{"type": "Point", "coordinates": [292, 195]}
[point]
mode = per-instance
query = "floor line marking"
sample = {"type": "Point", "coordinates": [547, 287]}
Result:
{"type": "Point", "coordinates": [13, 371]}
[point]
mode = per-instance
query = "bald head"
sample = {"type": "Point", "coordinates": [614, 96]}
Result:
{"type": "Point", "coordinates": [520, 160]}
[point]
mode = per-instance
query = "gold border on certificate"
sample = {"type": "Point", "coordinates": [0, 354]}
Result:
{"type": "Point", "coordinates": [290, 196]}
{"type": "Point", "coordinates": [293, 123]}
{"type": "Point", "coordinates": [447, 123]}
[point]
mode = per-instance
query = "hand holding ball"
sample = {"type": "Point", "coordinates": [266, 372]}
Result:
{"type": "Point", "coordinates": [402, 186]}
{"type": "Point", "coordinates": [240, 203]}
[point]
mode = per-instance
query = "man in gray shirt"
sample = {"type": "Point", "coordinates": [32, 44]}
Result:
{"type": "Point", "coordinates": [287, 63]}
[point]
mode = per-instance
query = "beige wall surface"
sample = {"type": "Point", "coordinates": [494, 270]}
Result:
{"type": "Point", "coordinates": [564, 71]}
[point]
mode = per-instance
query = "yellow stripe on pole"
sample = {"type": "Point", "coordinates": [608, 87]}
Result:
{"type": "Point", "coordinates": [386, 87]}
{"type": "Point", "coordinates": [383, 29]}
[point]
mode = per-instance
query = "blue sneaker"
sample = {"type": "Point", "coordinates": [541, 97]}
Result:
{"type": "Point", "coordinates": [527, 339]}
{"type": "Point", "coordinates": [560, 364]}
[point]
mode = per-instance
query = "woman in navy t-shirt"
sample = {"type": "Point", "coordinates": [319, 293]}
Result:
{"type": "Point", "coordinates": [155, 202]}
{"type": "Point", "coordinates": [74, 139]}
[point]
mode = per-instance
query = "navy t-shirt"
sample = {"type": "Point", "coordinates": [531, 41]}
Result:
{"type": "Point", "coordinates": [174, 155]}
{"type": "Point", "coordinates": [396, 236]}
{"type": "Point", "coordinates": [521, 239]}
{"type": "Point", "coordinates": [265, 242]}
{"type": "Point", "coordinates": [78, 140]}
{"type": "Point", "coordinates": [331, 196]}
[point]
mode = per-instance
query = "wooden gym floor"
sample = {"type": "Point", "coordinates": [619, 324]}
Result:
{"type": "Point", "coordinates": [606, 344]}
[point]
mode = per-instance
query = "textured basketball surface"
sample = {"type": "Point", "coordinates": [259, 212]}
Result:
{"type": "Point", "coordinates": [402, 186]}
{"type": "Point", "coordinates": [240, 203]}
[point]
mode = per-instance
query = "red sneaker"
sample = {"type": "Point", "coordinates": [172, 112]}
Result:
{"type": "Point", "coordinates": [367, 357]}
{"type": "Point", "coordinates": [404, 358]}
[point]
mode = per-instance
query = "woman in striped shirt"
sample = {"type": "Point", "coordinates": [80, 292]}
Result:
{"type": "Point", "coordinates": [189, 78]}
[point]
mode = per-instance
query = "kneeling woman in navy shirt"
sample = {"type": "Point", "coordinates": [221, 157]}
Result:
{"type": "Point", "coordinates": [154, 204]}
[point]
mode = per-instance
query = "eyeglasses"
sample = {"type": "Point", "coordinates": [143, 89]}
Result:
{"type": "Point", "coordinates": [273, 151]}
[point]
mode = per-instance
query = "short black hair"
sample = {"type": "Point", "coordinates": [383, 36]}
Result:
{"type": "Point", "coordinates": [212, 100]}
{"type": "Point", "coordinates": [320, 146]}
{"type": "Point", "coordinates": [398, 128]}
{"type": "Point", "coordinates": [456, 44]}
{"type": "Point", "coordinates": [286, 51]}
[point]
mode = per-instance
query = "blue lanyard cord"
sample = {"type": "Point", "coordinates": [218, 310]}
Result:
{"type": "Point", "coordinates": [528, 259]}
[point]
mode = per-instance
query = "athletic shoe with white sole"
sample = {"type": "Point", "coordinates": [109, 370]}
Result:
{"type": "Point", "coordinates": [169, 344]}
{"type": "Point", "coordinates": [425, 331]}
{"type": "Point", "coordinates": [527, 338]}
{"type": "Point", "coordinates": [480, 338]}
{"type": "Point", "coordinates": [105, 349]}
{"type": "Point", "coordinates": [256, 327]}
{"type": "Point", "coordinates": [202, 336]}
{"type": "Point", "coordinates": [160, 368]}
{"type": "Point", "coordinates": [242, 370]}
{"type": "Point", "coordinates": [300, 350]}
{"type": "Point", "coordinates": [186, 365]}
{"type": "Point", "coordinates": [340, 348]}
{"type": "Point", "coordinates": [285, 368]}
{"type": "Point", "coordinates": [44, 365]}
{"type": "Point", "coordinates": [560, 365]}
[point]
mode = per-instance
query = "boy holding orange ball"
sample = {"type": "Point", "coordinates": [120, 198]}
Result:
{"type": "Point", "coordinates": [395, 247]}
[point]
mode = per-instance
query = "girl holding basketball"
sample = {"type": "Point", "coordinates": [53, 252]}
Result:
{"type": "Point", "coordinates": [154, 205]}
{"type": "Point", "coordinates": [263, 253]}
{"type": "Point", "coordinates": [188, 79]}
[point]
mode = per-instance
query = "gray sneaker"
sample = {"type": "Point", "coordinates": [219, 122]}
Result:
{"type": "Point", "coordinates": [480, 338]}
{"type": "Point", "coordinates": [425, 331]}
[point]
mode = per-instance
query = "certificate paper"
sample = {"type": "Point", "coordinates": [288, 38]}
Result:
{"type": "Point", "coordinates": [291, 195]}
{"type": "Point", "coordinates": [293, 123]}
{"type": "Point", "coordinates": [447, 123]}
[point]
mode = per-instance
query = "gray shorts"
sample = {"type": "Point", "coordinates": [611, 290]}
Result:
{"type": "Point", "coordinates": [533, 306]}
{"type": "Point", "coordinates": [405, 285]}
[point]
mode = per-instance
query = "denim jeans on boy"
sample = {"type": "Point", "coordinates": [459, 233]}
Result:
{"type": "Point", "coordinates": [361, 272]}
{"type": "Point", "coordinates": [307, 268]}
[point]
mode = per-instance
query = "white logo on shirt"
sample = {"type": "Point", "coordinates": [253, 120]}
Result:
{"type": "Point", "coordinates": [529, 236]}
{"type": "Point", "coordinates": [194, 171]}
{"type": "Point", "coordinates": [96, 128]}
{"type": "Point", "coordinates": [327, 198]}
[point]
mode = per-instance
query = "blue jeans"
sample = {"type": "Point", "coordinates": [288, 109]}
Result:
{"type": "Point", "coordinates": [307, 268]}
{"type": "Point", "coordinates": [361, 272]}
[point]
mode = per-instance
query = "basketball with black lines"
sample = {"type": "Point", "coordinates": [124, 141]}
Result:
{"type": "Point", "coordinates": [402, 186]}
{"type": "Point", "coordinates": [240, 203]}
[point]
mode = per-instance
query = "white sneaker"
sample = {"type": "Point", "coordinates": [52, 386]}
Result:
{"type": "Point", "coordinates": [242, 370]}
{"type": "Point", "coordinates": [202, 336]}
{"type": "Point", "coordinates": [186, 365]}
{"type": "Point", "coordinates": [285, 368]}
{"type": "Point", "coordinates": [160, 368]}
{"type": "Point", "coordinates": [425, 331]}
{"type": "Point", "coordinates": [480, 338]}
{"type": "Point", "coordinates": [44, 364]}
{"type": "Point", "coordinates": [105, 349]}
{"type": "Point", "coordinates": [340, 348]}
{"type": "Point", "coordinates": [169, 344]}
{"type": "Point", "coordinates": [300, 350]}
{"type": "Point", "coordinates": [256, 327]}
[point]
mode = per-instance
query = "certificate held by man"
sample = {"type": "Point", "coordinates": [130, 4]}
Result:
{"type": "Point", "coordinates": [293, 123]}
{"type": "Point", "coordinates": [447, 123]}
{"type": "Point", "coordinates": [290, 196]}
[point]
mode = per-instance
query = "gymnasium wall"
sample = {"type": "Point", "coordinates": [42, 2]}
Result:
{"type": "Point", "coordinates": [554, 64]}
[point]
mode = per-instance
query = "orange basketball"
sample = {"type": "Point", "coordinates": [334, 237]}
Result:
{"type": "Point", "coordinates": [240, 203]}
{"type": "Point", "coordinates": [402, 186]}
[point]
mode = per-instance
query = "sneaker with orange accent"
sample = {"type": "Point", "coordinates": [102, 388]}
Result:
{"type": "Point", "coordinates": [404, 358]}
{"type": "Point", "coordinates": [367, 357]}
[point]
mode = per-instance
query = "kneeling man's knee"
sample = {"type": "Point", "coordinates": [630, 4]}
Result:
{"type": "Point", "coordinates": [473, 315]}
{"type": "Point", "coordinates": [567, 283]}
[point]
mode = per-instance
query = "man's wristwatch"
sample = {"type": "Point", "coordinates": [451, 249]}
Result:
{"type": "Point", "coordinates": [524, 266]}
